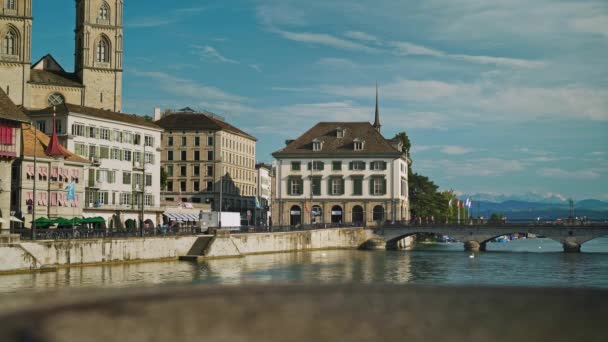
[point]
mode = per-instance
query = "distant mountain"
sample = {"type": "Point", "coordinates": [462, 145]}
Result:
{"type": "Point", "coordinates": [546, 207]}
{"type": "Point", "coordinates": [533, 197]}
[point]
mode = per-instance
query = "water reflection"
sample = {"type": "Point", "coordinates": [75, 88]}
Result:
{"type": "Point", "coordinates": [538, 262]}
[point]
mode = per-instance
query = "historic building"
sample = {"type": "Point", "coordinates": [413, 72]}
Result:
{"type": "Point", "coordinates": [263, 180]}
{"type": "Point", "coordinates": [200, 151]}
{"type": "Point", "coordinates": [42, 178]}
{"type": "Point", "coordinates": [341, 173]}
{"type": "Point", "coordinates": [124, 150]}
{"type": "Point", "coordinates": [11, 119]}
{"type": "Point", "coordinates": [97, 79]}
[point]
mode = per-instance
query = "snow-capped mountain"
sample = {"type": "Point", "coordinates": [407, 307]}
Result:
{"type": "Point", "coordinates": [532, 197]}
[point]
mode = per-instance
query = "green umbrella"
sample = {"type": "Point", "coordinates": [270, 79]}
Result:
{"type": "Point", "coordinates": [63, 221]}
{"type": "Point", "coordinates": [43, 222]}
{"type": "Point", "coordinates": [94, 220]}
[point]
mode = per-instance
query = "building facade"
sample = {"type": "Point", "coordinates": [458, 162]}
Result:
{"type": "Point", "coordinates": [206, 158]}
{"type": "Point", "coordinates": [124, 150]}
{"type": "Point", "coordinates": [52, 173]}
{"type": "Point", "coordinates": [341, 173]}
{"type": "Point", "coordinates": [97, 78]}
{"type": "Point", "coordinates": [11, 119]}
{"type": "Point", "coordinates": [263, 181]}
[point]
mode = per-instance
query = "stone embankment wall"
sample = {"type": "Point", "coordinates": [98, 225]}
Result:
{"type": "Point", "coordinates": [247, 244]}
{"type": "Point", "coordinates": [40, 255]}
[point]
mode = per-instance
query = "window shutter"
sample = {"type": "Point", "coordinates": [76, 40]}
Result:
{"type": "Point", "coordinates": [371, 186]}
{"type": "Point", "coordinates": [301, 187]}
{"type": "Point", "coordinates": [322, 166]}
{"type": "Point", "coordinates": [350, 165]}
{"type": "Point", "coordinates": [342, 186]}
{"type": "Point", "coordinates": [289, 182]}
{"type": "Point", "coordinates": [384, 165]}
{"type": "Point", "coordinates": [364, 164]}
{"type": "Point", "coordinates": [309, 166]}
{"type": "Point", "coordinates": [384, 186]}
{"type": "Point", "coordinates": [329, 192]}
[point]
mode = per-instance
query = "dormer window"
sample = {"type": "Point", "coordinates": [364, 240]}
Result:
{"type": "Point", "coordinates": [339, 132]}
{"type": "Point", "coordinates": [358, 144]}
{"type": "Point", "coordinates": [317, 145]}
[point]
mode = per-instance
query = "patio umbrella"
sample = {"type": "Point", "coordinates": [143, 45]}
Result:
{"type": "Point", "coordinates": [43, 222]}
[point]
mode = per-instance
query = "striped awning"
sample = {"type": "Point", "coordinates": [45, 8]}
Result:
{"type": "Point", "coordinates": [178, 217]}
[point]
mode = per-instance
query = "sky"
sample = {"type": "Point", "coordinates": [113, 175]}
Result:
{"type": "Point", "coordinates": [498, 97]}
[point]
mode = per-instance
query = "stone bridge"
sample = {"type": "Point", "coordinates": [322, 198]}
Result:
{"type": "Point", "coordinates": [475, 237]}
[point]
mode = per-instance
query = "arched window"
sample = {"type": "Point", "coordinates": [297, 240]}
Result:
{"type": "Point", "coordinates": [104, 12]}
{"type": "Point", "coordinates": [378, 213]}
{"type": "Point", "coordinates": [103, 50]}
{"type": "Point", "coordinates": [9, 43]}
{"type": "Point", "coordinates": [9, 4]}
{"type": "Point", "coordinates": [55, 99]}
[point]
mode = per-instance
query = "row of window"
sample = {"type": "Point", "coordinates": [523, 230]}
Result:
{"type": "Point", "coordinates": [228, 187]}
{"type": "Point", "coordinates": [232, 158]}
{"type": "Point", "coordinates": [105, 152]}
{"type": "Point", "coordinates": [358, 145]}
{"type": "Point", "coordinates": [184, 141]}
{"type": "Point", "coordinates": [238, 146]}
{"type": "Point", "coordinates": [101, 198]}
{"type": "Point", "coordinates": [52, 199]}
{"type": "Point", "coordinates": [196, 155]}
{"type": "Point", "coordinates": [128, 178]}
{"type": "Point", "coordinates": [336, 186]}
{"type": "Point", "coordinates": [183, 171]}
{"type": "Point", "coordinates": [106, 134]}
{"type": "Point", "coordinates": [337, 166]}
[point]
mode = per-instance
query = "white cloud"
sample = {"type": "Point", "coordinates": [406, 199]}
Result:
{"type": "Point", "coordinates": [409, 49]}
{"type": "Point", "coordinates": [598, 153]}
{"type": "Point", "coordinates": [337, 62]}
{"type": "Point", "coordinates": [255, 67]}
{"type": "Point", "coordinates": [210, 53]}
{"type": "Point", "coordinates": [479, 167]}
{"type": "Point", "coordinates": [172, 17]}
{"type": "Point", "coordinates": [325, 39]}
{"type": "Point", "coordinates": [186, 87]}
{"type": "Point", "coordinates": [595, 24]}
{"type": "Point", "coordinates": [366, 37]}
{"type": "Point", "coordinates": [572, 175]}
{"type": "Point", "coordinates": [456, 150]}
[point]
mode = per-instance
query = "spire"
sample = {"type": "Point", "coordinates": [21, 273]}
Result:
{"type": "Point", "coordinates": [54, 149]}
{"type": "Point", "coordinates": [377, 124]}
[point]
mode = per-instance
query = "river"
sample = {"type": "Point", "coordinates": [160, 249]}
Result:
{"type": "Point", "coordinates": [526, 262]}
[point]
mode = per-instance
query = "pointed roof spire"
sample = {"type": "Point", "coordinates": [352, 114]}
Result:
{"type": "Point", "coordinates": [377, 124]}
{"type": "Point", "coordinates": [54, 149]}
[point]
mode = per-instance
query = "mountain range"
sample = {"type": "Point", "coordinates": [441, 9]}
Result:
{"type": "Point", "coordinates": [532, 205]}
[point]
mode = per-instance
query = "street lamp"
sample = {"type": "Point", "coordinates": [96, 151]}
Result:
{"type": "Point", "coordinates": [219, 220]}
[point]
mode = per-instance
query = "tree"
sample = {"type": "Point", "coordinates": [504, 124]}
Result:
{"type": "Point", "coordinates": [405, 140]}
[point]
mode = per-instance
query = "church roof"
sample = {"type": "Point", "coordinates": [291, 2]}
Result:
{"type": "Point", "coordinates": [325, 132]}
{"type": "Point", "coordinates": [66, 108]}
{"type": "Point", "coordinates": [9, 111]}
{"type": "Point", "coordinates": [54, 77]}
{"type": "Point", "coordinates": [41, 141]}
{"type": "Point", "coordinates": [187, 121]}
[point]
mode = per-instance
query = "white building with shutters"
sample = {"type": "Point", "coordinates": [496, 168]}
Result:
{"type": "Point", "coordinates": [341, 173]}
{"type": "Point", "coordinates": [117, 144]}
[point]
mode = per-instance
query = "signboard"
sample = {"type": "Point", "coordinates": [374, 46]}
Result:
{"type": "Point", "coordinates": [295, 212]}
{"type": "Point", "coordinates": [336, 212]}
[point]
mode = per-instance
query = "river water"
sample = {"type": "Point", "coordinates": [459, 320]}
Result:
{"type": "Point", "coordinates": [527, 262]}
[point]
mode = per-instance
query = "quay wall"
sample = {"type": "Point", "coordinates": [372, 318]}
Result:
{"type": "Point", "coordinates": [40, 255]}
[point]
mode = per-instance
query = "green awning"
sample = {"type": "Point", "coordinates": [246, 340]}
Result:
{"type": "Point", "coordinates": [94, 220]}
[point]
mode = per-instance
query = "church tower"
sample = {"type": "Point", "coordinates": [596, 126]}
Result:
{"type": "Point", "coordinates": [15, 48]}
{"type": "Point", "coordinates": [99, 32]}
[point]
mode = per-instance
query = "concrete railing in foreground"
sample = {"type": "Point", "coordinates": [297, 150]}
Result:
{"type": "Point", "coordinates": [307, 313]}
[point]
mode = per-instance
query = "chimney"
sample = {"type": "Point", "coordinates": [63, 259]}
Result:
{"type": "Point", "coordinates": [157, 114]}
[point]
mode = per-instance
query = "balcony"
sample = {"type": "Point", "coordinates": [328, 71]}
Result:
{"type": "Point", "coordinates": [8, 151]}
{"type": "Point", "coordinates": [94, 184]}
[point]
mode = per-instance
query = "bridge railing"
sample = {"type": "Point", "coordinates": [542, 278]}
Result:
{"type": "Point", "coordinates": [429, 222]}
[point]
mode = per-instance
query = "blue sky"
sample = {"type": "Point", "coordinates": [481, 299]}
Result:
{"type": "Point", "coordinates": [503, 96]}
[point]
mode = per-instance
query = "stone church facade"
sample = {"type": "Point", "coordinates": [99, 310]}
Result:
{"type": "Point", "coordinates": [97, 79]}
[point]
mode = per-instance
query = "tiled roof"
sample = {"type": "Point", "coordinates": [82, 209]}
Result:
{"type": "Point", "coordinates": [8, 110]}
{"type": "Point", "coordinates": [375, 143]}
{"type": "Point", "coordinates": [98, 113]}
{"type": "Point", "coordinates": [198, 122]}
{"type": "Point", "coordinates": [60, 78]}
{"type": "Point", "coordinates": [41, 141]}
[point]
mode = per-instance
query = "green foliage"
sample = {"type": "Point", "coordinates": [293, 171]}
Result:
{"type": "Point", "coordinates": [405, 140]}
{"type": "Point", "coordinates": [427, 201]}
